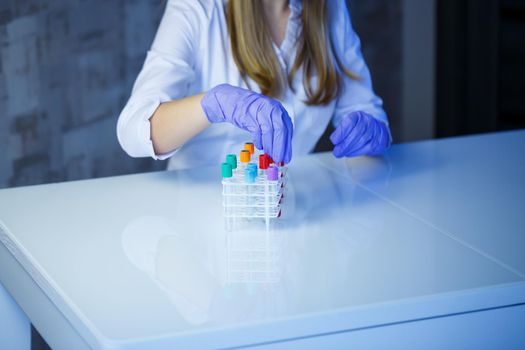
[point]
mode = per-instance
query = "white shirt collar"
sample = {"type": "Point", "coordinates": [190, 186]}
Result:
{"type": "Point", "coordinates": [287, 49]}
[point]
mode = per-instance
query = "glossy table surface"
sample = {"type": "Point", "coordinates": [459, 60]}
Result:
{"type": "Point", "coordinates": [144, 261]}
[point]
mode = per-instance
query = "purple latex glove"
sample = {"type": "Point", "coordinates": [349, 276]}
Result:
{"type": "Point", "coordinates": [360, 134]}
{"type": "Point", "coordinates": [263, 117]}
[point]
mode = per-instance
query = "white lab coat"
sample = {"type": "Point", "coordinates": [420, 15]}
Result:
{"type": "Point", "coordinates": [191, 53]}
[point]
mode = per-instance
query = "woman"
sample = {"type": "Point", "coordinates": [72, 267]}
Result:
{"type": "Point", "coordinates": [274, 71]}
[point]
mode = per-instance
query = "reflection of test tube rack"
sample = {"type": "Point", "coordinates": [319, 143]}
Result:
{"type": "Point", "coordinates": [253, 257]}
{"type": "Point", "coordinates": [251, 191]}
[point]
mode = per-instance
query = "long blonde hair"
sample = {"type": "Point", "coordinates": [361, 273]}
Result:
{"type": "Point", "coordinates": [254, 56]}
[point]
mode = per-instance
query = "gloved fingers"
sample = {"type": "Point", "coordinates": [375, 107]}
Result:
{"type": "Point", "coordinates": [377, 140]}
{"type": "Point", "coordinates": [287, 134]}
{"type": "Point", "coordinates": [372, 135]}
{"type": "Point", "coordinates": [356, 135]}
{"type": "Point", "coordinates": [335, 136]}
{"type": "Point", "coordinates": [265, 124]}
{"type": "Point", "coordinates": [244, 115]}
{"type": "Point", "coordinates": [289, 127]}
{"type": "Point", "coordinates": [267, 139]}
{"type": "Point", "coordinates": [340, 148]}
{"type": "Point", "coordinates": [340, 133]}
{"type": "Point", "coordinates": [257, 139]}
{"type": "Point", "coordinates": [288, 152]}
{"type": "Point", "coordinates": [356, 148]}
{"type": "Point", "coordinates": [367, 132]}
{"type": "Point", "coordinates": [280, 134]}
{"type": "Point", "coordinates": [382, 141]}
{"type": "Point", "coordinates": [346, 126]}
{"type": "Point", "coordinates": [247, 120]}
{"type": "Point", "coordinates": [376, 144]}
{"type": "Point", "coordinates": [269, 124]}
{"type": "Point", "coordinates": [387, 137]}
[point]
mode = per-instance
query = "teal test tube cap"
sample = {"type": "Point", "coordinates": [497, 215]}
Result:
{"type": "Point", "coordinates": [232, 160]}
{"type": "Point", "coordinates": [226, 170]}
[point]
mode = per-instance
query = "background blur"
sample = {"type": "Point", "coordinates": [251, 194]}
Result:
{"type": "Point", "coordinates": [443, 68]}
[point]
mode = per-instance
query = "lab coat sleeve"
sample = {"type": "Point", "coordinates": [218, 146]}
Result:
{"type": "Point", "coordinates": [356, 95]}
{"type": "Point", "coordinates": [166, 75]}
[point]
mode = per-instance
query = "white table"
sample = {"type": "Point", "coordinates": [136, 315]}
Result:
{"type": "Point", "coordinates": [424, 247]}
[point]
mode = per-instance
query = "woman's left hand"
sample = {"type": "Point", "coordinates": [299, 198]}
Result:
{"type": "Point", "coordinates": [360, 134]}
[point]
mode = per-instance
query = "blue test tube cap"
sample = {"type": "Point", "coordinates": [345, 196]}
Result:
{"type": "Point", "coordinates": [250, 175]}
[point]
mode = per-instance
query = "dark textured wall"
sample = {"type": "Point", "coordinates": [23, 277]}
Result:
{"type": "Point", "coordinates": [67, 67]}
{"type": "Point", "coordinates": [379, 25]}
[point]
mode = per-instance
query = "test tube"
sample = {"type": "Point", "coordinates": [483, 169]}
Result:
{"type": "Point", "coordinates": [252, 167]}
{"type": "Point", "coordinates": [272, 188]}
{"type": "Point", "coordinates": [264, 163]}
{"type": "Point", "coordinates": [273, 177]}
{"type": "Point", "coordinates": [273, 173]}
{"type": "Point", "coordinates": [226, 173]}
{"type": "Point", "coordinates": [245, 159]}
{"type": "Point", "coordinates": [250, 175]}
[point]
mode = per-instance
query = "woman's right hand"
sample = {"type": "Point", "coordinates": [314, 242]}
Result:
{"type": "Point", "coordinates": [263, 117]}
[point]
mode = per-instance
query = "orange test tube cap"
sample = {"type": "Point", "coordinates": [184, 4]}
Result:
{"type": "Point", "coordinates": [245, 156]}
{"type": "Point", "coordinates": [249, 147]}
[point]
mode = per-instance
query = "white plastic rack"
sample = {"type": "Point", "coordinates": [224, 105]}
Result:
{"type": "Point", "coordinates": [261, 198]}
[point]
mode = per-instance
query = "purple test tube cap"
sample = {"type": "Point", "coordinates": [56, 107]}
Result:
{"type": "Point", "coordinates": [273, 173]}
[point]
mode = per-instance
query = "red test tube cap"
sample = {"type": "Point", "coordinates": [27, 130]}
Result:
{"type": "Point", "coordinates": [264, 161]}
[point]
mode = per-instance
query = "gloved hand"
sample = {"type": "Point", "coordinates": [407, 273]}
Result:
{"type": "Point", "coordinates": [360, 134]}
{"type": "Point", "coordinates": [264, 117]}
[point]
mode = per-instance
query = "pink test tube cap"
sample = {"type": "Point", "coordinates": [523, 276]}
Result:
{"type": "Point", "coordinates": [273, 173]}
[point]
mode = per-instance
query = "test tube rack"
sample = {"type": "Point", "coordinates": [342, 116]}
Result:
{"type": "Point", "coordinates": [252, 190]}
